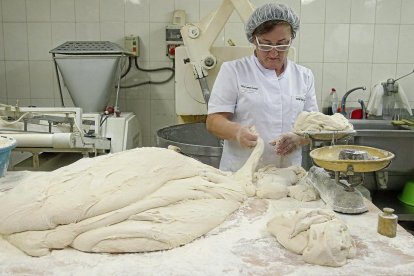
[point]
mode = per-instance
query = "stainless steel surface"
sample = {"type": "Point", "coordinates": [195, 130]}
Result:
{"type": "Point", "coordinates": [343, 100]}
{"type": "Point", "coordinates": [194, 140]}
{"type": "Point", "coordinates": [378, 125]}
{"type": "Point", "coordinates": [384, 135]}
{"type": "Point", "coordinates": [87, 48]}
{"type": "Point", "coordinates": [89, 79]}
{"type": "Point", "coordinates": [88, 69]}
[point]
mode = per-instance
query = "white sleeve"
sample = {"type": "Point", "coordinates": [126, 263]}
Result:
{"type": "Point", "coordinates": [224, 94]}
{"type": "Point", "coordinates": [311, 103]}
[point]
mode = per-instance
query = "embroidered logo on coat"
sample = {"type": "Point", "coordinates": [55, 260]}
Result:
{"type": "Point", "coordinates": [246, 88]}
{"type": "Point", "coordinates": [300, 98]}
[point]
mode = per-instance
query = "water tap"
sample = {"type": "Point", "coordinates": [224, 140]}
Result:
{"type": "Point", "coordinates": [364, 109]}
{"type": "Point", "coordinates": [343, 101]}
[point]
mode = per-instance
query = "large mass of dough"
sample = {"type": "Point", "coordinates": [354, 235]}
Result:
{"type": "Point", "coordinates": [316, 234]}
{"type": "Point", "coordinates": [139, 200]}
{"type": "Point", "coordinates": [316, 121]}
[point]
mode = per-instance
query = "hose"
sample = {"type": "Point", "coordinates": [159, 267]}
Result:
{"type": "Point", "coordinates": [149, 70]}
{"type": "Point", "coordinates": [14, 122]}
{"type": "Point", "coordinates": [127, 70]}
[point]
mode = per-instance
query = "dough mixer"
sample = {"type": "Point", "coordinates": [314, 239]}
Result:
{"type": "Point", "coordinates": [339, 169]}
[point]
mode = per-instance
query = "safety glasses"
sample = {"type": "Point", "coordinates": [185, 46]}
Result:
{"type": "Point", "coordinates": [268, 48]}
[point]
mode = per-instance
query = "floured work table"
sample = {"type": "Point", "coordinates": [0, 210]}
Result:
{"type": "Point", "coordinates": [239, 246]}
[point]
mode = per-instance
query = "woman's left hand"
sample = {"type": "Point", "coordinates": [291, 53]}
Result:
{"type": "Point", "coordinates": [288, 143]}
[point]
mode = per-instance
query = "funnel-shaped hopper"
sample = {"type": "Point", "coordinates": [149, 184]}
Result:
{"type": "Point", "coordinates": [90, 80]}
{"type": "Point", "coordinates": [88, 69]}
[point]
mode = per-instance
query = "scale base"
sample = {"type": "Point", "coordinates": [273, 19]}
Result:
{"type": "Point", "coordinates": [335, 195]}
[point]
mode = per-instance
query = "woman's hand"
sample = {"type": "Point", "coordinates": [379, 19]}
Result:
{"type": "Point", "coordinates": [288, 143]}
{"type": "Point", "coordinates": [246, 137]}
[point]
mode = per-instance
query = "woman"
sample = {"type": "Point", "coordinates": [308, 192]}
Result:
{"type": "Point", "coordinates": [265, 90]}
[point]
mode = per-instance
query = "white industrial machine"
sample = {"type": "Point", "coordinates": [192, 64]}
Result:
{"type": "Point", "coordinates": [198, 39]}
{"type": "Point", "coordinates": [89, 70]}
{"type": "Point", "coordinates": [197, 62]}
{"type": "Point", "coordinates": [172, 33]}
{"type": "Point", "coordinates": [188, 97]}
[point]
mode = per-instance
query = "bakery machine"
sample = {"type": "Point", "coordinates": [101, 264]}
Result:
{"type": "Point", "coordinates": [91, 72]}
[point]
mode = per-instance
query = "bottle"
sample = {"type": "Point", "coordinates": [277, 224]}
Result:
{"type": "Point", "coordinates": [334, 101]}
{"type": "Point", "coordinates": [387, 223]}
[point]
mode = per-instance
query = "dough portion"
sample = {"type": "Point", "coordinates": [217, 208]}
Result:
{"type": "Point", "coordinates": [246, 173]}
{"type": "Point", "coordinates": [330, 244]}
{"type": "Point", "coordinates": [316, 121]}
{"type": "Point", "coordinates": [314, 233]}
{"type": "Point", "coordinates": [303, 191]}
{"type": "Point", "coordinates": [139, 200]}
{"type": "Point", "coordinates": [276, 183]}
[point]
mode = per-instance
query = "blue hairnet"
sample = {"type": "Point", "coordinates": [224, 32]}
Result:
{"type": "Point", "coordinates": [271, 11]}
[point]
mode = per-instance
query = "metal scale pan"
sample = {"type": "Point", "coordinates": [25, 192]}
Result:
{"type": "Point", "coordinates": [328, 158]}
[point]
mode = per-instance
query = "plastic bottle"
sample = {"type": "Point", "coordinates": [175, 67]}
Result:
{"type": "Point", "coordinates": [334, 101]}
{"type": "Point", "coordinates": [387, 223]}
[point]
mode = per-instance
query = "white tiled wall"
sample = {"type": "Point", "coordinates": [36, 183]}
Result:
{"type": "Point", "coordinates": [346, 43]}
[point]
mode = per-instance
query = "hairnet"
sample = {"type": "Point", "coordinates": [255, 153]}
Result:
{"type": "Point", "coordinates": [271, 11]}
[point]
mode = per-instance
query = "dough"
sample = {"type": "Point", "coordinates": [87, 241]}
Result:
{"type": "Point", "coordinates": [314, 233]}
{"type": "Point", "coordinates": [330, 244]}
{"type": "Point", "coordinates": [316, 121]}
{"type": "Point", "coordinates": [274, 182]}
{"type": "Point", "coordinates": [303, 191]}
{"type": "Point", "coordinates": [139, 200]}
{"type": "Point", "coordinates": [246, 173]}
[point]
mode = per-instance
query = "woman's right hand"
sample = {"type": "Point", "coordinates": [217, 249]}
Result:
{"type": "Point", "coordinates": [246, 137]}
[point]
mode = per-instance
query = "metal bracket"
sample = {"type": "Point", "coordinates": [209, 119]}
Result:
{"type": "Point", "coordinates": [381, 178]}
{"type": "Point", "coordinates": [350, 170]}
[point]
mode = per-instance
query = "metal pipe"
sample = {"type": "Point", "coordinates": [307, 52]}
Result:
{"type": "Point", "coordinates": [204, 89]}
{"type": "Point", "coordinates": [361, 102]}
{"type": "Point", "coordinates": [405, 75]}
{"type": "Point", "coordinates": [62, 103]}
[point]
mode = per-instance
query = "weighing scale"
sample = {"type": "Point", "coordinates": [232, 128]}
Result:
{"type": "Point", "coordinates": [339, 169]}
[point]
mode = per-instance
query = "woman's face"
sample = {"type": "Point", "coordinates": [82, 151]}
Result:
{"type": "Point", "coordinates": [273, 59]}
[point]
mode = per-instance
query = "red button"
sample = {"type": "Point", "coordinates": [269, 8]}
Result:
{"type": "Point", "coordinates": [171, 51]}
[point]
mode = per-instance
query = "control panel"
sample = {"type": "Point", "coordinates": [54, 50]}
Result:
{"type": "Point", "coordinates": [132, 44]}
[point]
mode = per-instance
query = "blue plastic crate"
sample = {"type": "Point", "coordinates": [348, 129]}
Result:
{"type": "Point", "coordinates": [6, 145]}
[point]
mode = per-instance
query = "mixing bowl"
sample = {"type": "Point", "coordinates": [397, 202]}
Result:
{"type": "Point", "coordinates": [6, 145]}
{"type": "Point", "coordinates": [407, 195]}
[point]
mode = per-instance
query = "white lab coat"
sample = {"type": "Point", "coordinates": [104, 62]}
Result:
{"type": "Point", "coordinates": [258, 97]}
